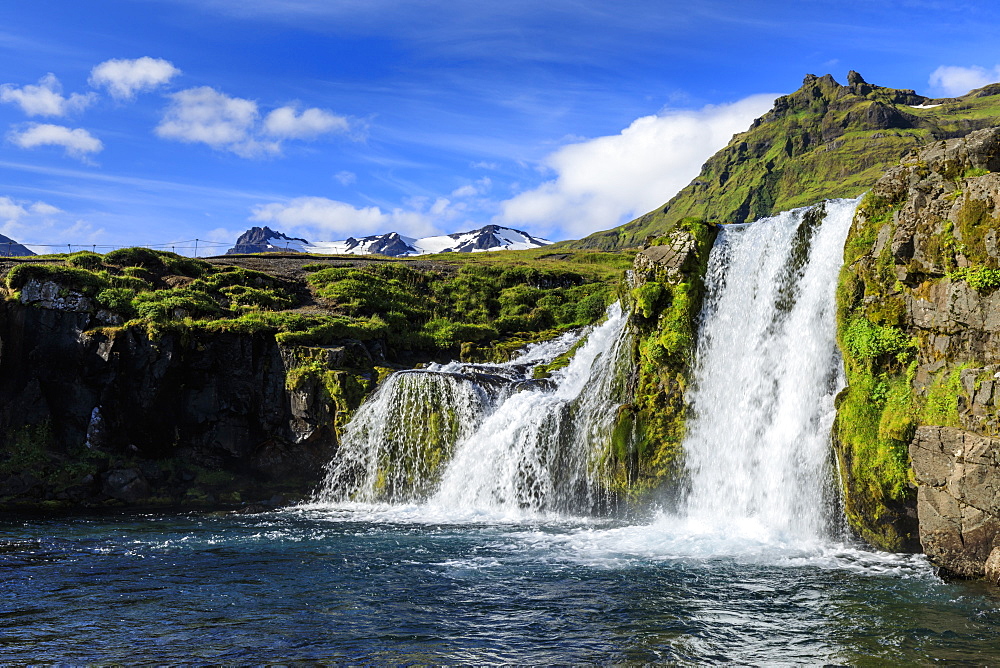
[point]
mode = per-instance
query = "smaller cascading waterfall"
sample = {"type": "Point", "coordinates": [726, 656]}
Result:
{"type": "Point", "coordinates": [466, 437]}
{"type": "Point", "coordinates": [540, 451]}
{"type": "Point", "coordinates": [766, 374]}
{"type": "Point", "coordinates": [394, 447]}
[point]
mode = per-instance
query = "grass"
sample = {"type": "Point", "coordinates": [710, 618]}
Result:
{"type": "Point", "coordinates": [483, 305]}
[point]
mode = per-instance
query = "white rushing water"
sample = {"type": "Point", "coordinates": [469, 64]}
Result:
{"type": "Point", "coordinates": [767, 371]}
{"type": "Point", "coordinates": [757, 448]}
{"type": "Point", "coordinates": [487, 438]}
{"type": "Point", "coordinates": [537, 451]}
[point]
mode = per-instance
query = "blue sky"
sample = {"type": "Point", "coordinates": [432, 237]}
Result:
{"type": "Point", "coordinates": [159, 121]}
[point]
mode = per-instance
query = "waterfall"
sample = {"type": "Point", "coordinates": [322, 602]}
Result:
{"type": "Point", "coordinates": [488, 437]}
{"type": "Point", "coordinates": [539, 451]}
{"type": "Point", "coordinates": [766, 373]}
{"type": "Point", "coordinates": [394, 447]}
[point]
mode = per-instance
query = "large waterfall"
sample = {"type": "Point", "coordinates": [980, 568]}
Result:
{"type": "Point", "coordinates": [767, 372]}
{"type": "Point", "coordinates": [490, 438]}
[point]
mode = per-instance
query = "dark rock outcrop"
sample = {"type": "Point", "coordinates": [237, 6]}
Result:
{"type": "Point", "coordinates": [958, 498]}
{"type": "Point", "coordinates": [97, 416]}
{"type": "Point", "coordinates": [391, 244]}
{"type": "Point", "coordinates": [266, 240]}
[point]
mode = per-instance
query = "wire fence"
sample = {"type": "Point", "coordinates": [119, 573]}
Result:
{"type": "Point", "coordinates": [190, 247]}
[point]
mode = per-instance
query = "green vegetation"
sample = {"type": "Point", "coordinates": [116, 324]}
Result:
{"type": "Point", "coordinates": [877, 412]}
{"type": "Point", "coordinates": [646, 441]}
{"type": "Point", "coordinates": [483, 306]}
{"type": "Point", "coordinates": [821, 142]}
{"type": "Point", "coordinates": [981, 278]}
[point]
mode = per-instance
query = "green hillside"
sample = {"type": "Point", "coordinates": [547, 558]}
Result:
{"type": "Point", "coordinates": [823, 141]}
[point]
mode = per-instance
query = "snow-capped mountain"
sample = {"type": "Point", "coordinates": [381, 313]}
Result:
{"type": "Point", "coordinates": [266, 240]}
{"type": "Point", "coordinates": [487, 238]}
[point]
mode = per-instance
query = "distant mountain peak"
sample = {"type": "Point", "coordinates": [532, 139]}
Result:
{"type": "Point", "coordinates": [487, 238]}
{"type": "Point", "coordinates": [10, 248]}
{"type": "Point", "coordinates": [266, 240]}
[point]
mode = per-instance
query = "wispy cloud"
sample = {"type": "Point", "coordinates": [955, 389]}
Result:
{"type": "Point", "coordinates": [31, 222]}
{"type": "Point", "coordinates": [77, 143]}
{"type": "Point", "coordinates": [44, 98]}
{"type": "Point", "coordinates": [124, 78]}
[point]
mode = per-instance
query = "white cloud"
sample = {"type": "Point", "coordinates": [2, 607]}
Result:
{"type": "Point", "coordinates": [311, 123]}
{"type": "Point", "coordinates": [44, 99]}
{"type": "Point", "coordinates": [234, 124]}
{"type": "Point", "coordinates": [954, 80]}
{"type": "Point", "coordinates": [337, 220]}
{"type": "Point", "coordinates": [205, 115]}
{"type": "Point", "coordinates": [11, 211]}
{"type": "Point", "coordinates": [78, 143]}
{"type": "Point", "coordinates": [609, 180]}
{"type": "Point", "coordinates": [480, 187]}
{"type": "Point", "coordinates": [124, 78]}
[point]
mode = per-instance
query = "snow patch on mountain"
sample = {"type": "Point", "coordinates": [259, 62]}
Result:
{"type": "Point", "coordinates": [488, 238]}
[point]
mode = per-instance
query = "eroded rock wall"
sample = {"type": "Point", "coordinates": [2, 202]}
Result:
{"type": "Point", "coordinates": [919, 325]}
{"type": "Point", "coordinates": [95, 415]}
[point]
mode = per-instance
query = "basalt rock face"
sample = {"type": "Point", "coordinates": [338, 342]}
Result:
{"type": "Point", "coordinates": [958, 497]}
{"type": "Point", "coordinates": [664, 297]}
{"type": "Point", "coordinates": [919, 326]}
{"type": "Point", "coordinates": [97, 416]}
{"type": "Point", "coordinates": [821, 142]}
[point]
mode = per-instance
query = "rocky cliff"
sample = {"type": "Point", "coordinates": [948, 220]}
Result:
{"type": "Point", "coordinates": [664, 296]}
{"type": "Point", "coordinates": [919, 326]}
{"type": "Point", "coordinates": [823, 141]}
{"type": "Point", "coordinates": [96, 415]}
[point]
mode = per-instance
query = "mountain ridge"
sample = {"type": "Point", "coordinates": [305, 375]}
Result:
{"type": "Point", "coordinates": [487, 238]}
{"type": "Point", "coordinates": [823, 141]}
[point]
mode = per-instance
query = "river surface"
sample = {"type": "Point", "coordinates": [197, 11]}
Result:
{"type": "Point", "coordinates": [394, 585]}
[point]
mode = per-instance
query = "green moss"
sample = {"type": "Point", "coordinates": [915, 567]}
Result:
{"type": "Point", "coordinates": [875, 422]}
{"type": "Point", "coordinates": [85, 260]}
{"type": "Point", "coordinates": [975, 220]}
{"type": "Point", "coordinates": [868, 344]}
{"type": "Point", "coordinates": [118, 300]}
{"type": "Point", "coordinates": [941, 406]}
{"type": "Point", "coordinates": [983, 279]}
{"type": "Point", "coordinates": [560, 362]}
{"type": "Point", "coordinates": [973, 172]}
{"type": "Point", "coordinates": [71, 278]}
{"type": "Point", "coordinates": [646, 453]}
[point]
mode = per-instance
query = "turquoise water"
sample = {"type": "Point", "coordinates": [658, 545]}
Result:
{"type": "Point", "coordinates": [395, 585]}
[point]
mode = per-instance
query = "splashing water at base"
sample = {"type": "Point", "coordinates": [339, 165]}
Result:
{"type": "Point", "coordinates": [538, 451]}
